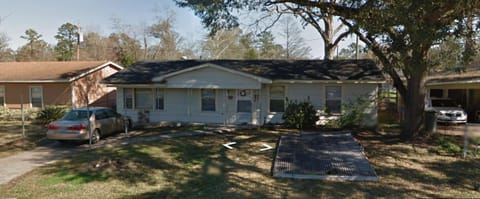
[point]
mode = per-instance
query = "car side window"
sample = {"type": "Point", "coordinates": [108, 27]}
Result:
{"type": "Point", "coordinates": [111, 113]}
{"type": "Point", "coordinates": [100, 115]}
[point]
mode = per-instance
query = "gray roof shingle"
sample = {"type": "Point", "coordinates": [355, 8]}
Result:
{"type": "Point", "coordinates": [143, 72]}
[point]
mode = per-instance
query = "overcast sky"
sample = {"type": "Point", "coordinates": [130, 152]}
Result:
{"type": "Point", "coordinates": [46, 16]}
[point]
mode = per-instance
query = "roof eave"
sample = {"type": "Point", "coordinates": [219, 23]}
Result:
{"type": "Point", "coordinates": [127, 85]}
{"type": "Point", "coordinates": [293, 81]}
{"type": "Point", "coordinates": [474, 81]}
{"type": "Point", "coordinates": [37, 81]}
{"type": "Point", "coordinates": [109, 63]}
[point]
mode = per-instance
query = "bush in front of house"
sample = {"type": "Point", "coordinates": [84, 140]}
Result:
{"type": "Point", "coordinates": [16, 114]}
{"type": "Point", "coordinates": [300, 114]}
{"type": "Point", "coordinates": [354, 113]}
{"type": "Point", "coordinates": [50, 114]}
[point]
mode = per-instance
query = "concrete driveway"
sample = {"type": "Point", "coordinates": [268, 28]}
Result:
{"type": "Point", "coordinates": [18, 164]}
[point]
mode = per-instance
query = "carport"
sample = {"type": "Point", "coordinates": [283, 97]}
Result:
{"type": "Point", "coordinates": [463, 88]}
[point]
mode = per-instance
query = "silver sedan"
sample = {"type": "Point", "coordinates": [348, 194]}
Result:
{"type": "Point", "coordinates": [74, 124]}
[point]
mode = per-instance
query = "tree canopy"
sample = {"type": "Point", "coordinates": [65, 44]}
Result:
{"type": "Point", "coordinates": [67, 37]}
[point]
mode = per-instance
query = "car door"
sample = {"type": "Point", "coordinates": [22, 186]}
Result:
{"type": "Point", "coordinates": [103, 122]}
{"type": "Point", "coordinates": [116, 119]}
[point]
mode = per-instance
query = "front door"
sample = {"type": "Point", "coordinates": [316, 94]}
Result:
{"type": "Point", "coordinates": [244, 106]}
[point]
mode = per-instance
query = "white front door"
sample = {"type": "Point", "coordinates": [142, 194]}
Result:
{"type": "Point", "coordinates": [244, 106]}
{"type": "Point", "coordinates": [230, 106]}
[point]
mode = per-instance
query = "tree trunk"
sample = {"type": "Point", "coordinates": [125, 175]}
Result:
{"type": "Point", "coordinates": [414, 101]}
{"type": "Point", "coordinates": [329, 51]}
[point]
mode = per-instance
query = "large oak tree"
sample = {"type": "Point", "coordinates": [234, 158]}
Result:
{"type": "Point", "coordinates": [399, 32]}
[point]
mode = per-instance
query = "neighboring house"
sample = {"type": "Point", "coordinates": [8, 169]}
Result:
{"type": "Point", "coordinates": [38, 84]}
{"type": "Point", "coordinates": [463, 88]}
{"type": "Point", "coordinates": [240, 91]}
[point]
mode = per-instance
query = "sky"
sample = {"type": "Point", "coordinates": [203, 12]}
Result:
{"type": "Point", "coordinates": [46, 16]}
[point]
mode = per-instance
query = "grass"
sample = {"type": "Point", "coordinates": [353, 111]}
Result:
{"type": "Point", "coordinates": [158, 129]}
{"type": "Point", "coordinates": [200, 167]}
{"type": "Point", "coordinates": [11, 137]}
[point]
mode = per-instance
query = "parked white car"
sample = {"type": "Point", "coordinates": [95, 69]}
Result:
{"type": "Point", "coordinates": [448, 111]}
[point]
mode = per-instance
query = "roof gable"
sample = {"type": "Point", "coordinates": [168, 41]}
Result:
{"type": "Point", "coordinates": [210, 65]}
{"type": "Point", "coordinates": [50, 71]}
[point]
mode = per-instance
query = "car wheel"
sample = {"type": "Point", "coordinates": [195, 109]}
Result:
{"type": "Point", "coordinates": [95, 136]}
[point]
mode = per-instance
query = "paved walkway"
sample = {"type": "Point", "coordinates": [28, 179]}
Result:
{"type": "Point", "coordinates": [19, 164]}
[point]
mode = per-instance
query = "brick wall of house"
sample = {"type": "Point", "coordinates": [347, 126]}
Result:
{"type": "Point", "coordinates": [98, 94]}
{"type": "Point", "coordinates": [53, 94]}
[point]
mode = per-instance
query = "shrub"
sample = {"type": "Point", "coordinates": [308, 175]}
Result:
{"type": "Point", "coordinates": [16, 114]}
{"type": "Point", "coordinates": [446, 146]}
{"type": "Point", "coordinates": [354, 113]}
{"type": "Point", "coordinates": [300, 114]}
{"type": "Point", "coordinates": [50, 114]}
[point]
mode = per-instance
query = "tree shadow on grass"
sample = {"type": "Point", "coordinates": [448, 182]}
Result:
{"type": "Point", "coordinates": [460, 174]}
{"type": "Point", "coordinates": [129, 164]}
{"type": "Point", "coordinates": [212, 171]}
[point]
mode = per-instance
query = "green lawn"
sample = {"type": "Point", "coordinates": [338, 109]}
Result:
{"type": "Point", "coordinates": [11, 137]}
{"type": "Point", "coordinates": [200, 167]}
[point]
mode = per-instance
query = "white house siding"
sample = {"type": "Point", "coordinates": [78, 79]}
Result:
{"type": "Point", "coordinates": [351, 92]}
{"type": "Point", "coordinates": [184, 105]}
{"type": "Point", "coordinates": [295, 92]}
{"type": "Point", "coordinates": [316, 94]}
{"type": "Point", "coordinates": [182, 98]}
{"type": "Point", "coordinates": [212, 78]}
{"type": "Point", "coordinates": [300, 92]}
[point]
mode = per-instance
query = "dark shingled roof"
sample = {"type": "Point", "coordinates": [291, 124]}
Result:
{"type": "Point", "coordinates": [143, 72]}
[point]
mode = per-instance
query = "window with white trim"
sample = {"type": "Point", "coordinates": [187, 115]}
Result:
{"type": "Point", "coordinates": [36, 96]}
{"type": "Point", "coordinates": [159, 99]}
{"type": "Point", "coordinates": [333, 101]}
{"type": "Point", "coordinates": [208, 99]}
{"type": "Point", "coordinates": [2, 96]}
{"type": "Point", "coordinates": [277, 99]}
{"type": "Point", "coordinates": [128, 98]}
{"type": "Point", "coordinates": [143, 98]}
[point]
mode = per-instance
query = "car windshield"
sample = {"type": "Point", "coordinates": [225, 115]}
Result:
{"type": "Point", "coordinates": [443, 103]}
{"type": "Point", "coordinates": [75, 115]}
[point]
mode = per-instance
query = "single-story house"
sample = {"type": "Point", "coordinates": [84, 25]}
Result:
{"type": "Point", "coordinates": [38, 84]}
{"type": "Point", "coordinates": [240, 91]}
{"type": "Point", "coordinates": [462, 87]}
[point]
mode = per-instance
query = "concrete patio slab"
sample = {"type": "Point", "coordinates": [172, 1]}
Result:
{"type": "Point", "coordinates": [326, 155]}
